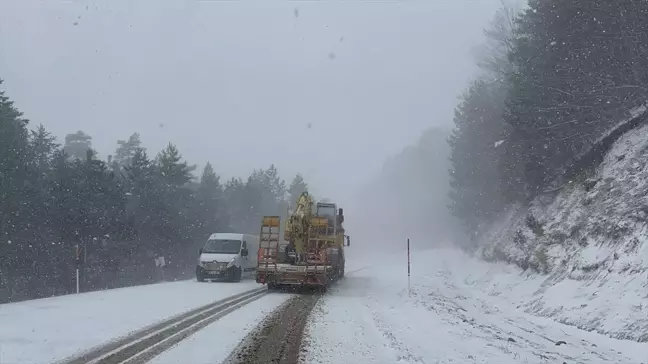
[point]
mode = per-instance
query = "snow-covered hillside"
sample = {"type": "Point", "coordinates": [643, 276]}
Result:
{"type": "Point", "coordinates": [590, 241]}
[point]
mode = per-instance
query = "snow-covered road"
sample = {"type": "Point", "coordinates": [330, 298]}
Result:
{"type": "Point", "coordinates": [214, 343]}
{"type": "Point", "coordinates": [46, 330]}
{"type": "Point", "coordinates": [371, 317]}
{"type": "Point", "coordinates": [458, 310]}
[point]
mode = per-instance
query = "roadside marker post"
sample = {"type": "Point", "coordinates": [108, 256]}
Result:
{"type": "Point", "coordinates": [409, 290]}
{"type": "Point", "coordinates": [77, 268]}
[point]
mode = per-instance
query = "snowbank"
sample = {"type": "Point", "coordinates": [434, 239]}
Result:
{"type": "Point", "coordinates": [459, 310]}
{"type": "Point", "coordinates": [590, 240]}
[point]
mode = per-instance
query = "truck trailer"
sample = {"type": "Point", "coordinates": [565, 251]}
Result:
{"type": "Point", "coordinates": [311, 253]}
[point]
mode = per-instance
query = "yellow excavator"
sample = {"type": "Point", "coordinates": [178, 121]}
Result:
{"type": "Point", "coordinates": [311, 252]}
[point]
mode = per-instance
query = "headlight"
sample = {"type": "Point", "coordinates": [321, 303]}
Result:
{"type": "Point", "coordinates": [231, 262]}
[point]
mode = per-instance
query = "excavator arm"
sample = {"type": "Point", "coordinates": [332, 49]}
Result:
{"type": "Point", "coordinates": [296, 230]}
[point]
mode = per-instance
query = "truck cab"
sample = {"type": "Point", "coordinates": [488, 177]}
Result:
{"type": "Point", "coordinates": [227, 256]}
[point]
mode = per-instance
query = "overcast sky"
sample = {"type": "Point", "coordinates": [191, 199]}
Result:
{"type": "Point", "coordinates": [239, 82]}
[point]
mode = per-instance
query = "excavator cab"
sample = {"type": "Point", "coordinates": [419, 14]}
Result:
{"type": "Point", "coordinates": [327, 211]}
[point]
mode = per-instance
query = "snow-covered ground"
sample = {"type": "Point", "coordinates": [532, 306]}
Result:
{"type": "Point", "coordinates": [215, 342]}
{"type": "Point", "coordinates": [460, 310]}
{"type": "Point", "coordinates": [591, 238]}
{"type": "Point", "coordinates": [45, 330]}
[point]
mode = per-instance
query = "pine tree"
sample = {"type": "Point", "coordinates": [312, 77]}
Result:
{"type": "Point", "coordinates": [13, 159]}
{"type": "Point", "coordinates": [145, 197]}
{"type": "Point", "coordinates": [479, 130]}
{"type": "Point", "coordinates": [55, 198]}
{"type": "Point", "coordinates": [174, 224]}
{"type": "Point", "coordinates": [77, 144]}
{"type": "Point", "coordinates": [67, 211]}
{"type": "Point", "coordinates": [140, 170]}
{"type": "Point", "coordinates": [42, 147]}
{"type": "Point", "coordinates": [127, 149]}
{"type": "Point", "coordinates": [500, 37]}
{"type": "Point", "coordinates": [276, 185]}
{"type": "Point", "coordinates": [578, 69]}
{"type": "Point", "coordinates": [210, 209]}
{"type": "Point", "coordinates": [259, 194]}
{"type": "Point", "coordinates": [175, 172]}
{"type": "Point", "coordinates": [238, 208]}
{"type": "Point", "coordinates": [296, 188]}
{"type": "Point", "coordinates": [104, 200]}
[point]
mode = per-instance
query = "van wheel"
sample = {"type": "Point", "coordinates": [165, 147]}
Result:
{"type": "Point", "coordinates": [236, 274]}
{"type": "Point", "coordinates": [200, 277]}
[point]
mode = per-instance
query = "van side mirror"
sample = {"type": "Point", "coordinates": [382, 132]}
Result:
{"type": "Point", "coordinates": [244, 252]}
{"type": "Point", "coordinates": [348, 240]}
{"type": "Point", "coordinates": [200, 251]}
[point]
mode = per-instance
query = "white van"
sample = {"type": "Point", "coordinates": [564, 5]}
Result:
{"type": "Point", "coordinates": [228, 255]}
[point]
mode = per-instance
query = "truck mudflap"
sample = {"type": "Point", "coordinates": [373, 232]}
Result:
{"type": "Point", "coordinates": [286, 274]}
{"type": "Point", "coordinates": [293, 278]}
{"type": "Point", "coordinates": [295, 275]}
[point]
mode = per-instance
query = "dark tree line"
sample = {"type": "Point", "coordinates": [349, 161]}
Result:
{"type": "Point", "coordinates": [556, 78]}
{"type": "Point", "coordinates": [124, 211]}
